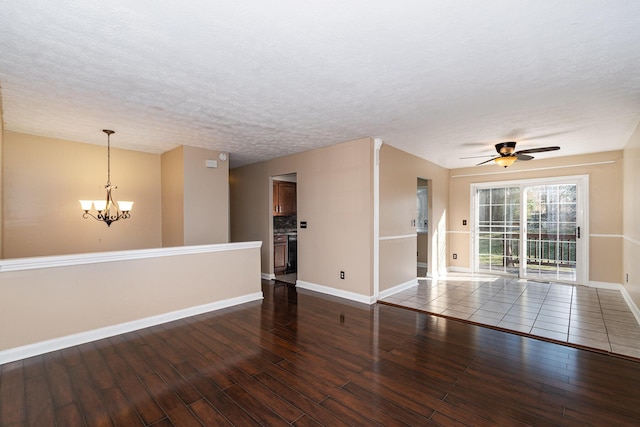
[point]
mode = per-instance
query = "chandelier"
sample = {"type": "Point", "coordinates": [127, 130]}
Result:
{"type": "Point", "coordinates": [107, 210]}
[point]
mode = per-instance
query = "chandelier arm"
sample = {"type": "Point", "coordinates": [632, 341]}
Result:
{"type": "Point", "coordinates": [86, 215]}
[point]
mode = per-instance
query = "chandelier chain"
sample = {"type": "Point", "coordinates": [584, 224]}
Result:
{"type": "Point", "coordinates": [108, 132]}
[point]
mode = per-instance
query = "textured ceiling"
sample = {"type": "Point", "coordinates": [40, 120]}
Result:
{"type": "Point", "coordinates": [262, 79]}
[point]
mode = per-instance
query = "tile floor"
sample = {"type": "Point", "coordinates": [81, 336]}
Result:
{"type": "Point", "coordinates": [287, 278]}
{"type": "Point", "coordinates": [596, 318]}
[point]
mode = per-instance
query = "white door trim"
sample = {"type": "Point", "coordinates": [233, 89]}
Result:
{"type": "Point", "coordinates": [377, 144]}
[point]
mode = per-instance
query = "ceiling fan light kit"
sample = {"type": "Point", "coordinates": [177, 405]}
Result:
{"type": "Point", "coordinates": [506, 161]}
{"type": "Point", "coordinates": [508, 154]}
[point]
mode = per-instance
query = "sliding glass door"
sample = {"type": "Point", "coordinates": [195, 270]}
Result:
{"type": "Point", "coordinates": [531, 229]}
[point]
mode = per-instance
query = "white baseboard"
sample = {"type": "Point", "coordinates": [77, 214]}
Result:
{"type": "Point", "coordinates": [453, 269]}
{"type": "Point", "coordinates": [398, 288]}
{"type": "Point", "coordinates": [335, 292]}
{"type": "Point", "coordinates": [268, 276]}
{"type": "Point", "coordinates": [632, 305]}
{"type": "Point", "coordinates": [42, 347]}
{"type": "Point", "coordinates": [605, 285]}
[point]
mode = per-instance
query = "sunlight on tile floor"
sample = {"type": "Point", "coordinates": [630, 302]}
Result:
{"type": "Point", "coordinates": [596, 318]}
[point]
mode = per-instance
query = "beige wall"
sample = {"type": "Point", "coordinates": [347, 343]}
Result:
{"type": "Point", "coordinates": [397, 266]}
{"type": "Point", "coordinates": [51, 303]}
{"type": "Point", "coordinates": [605, 205]}
{"type": "Point", "coordinates": [335, 197]}
{"type": "Point", "coordinates": [631, 227]}
{"type": "Point", "coordinates": [173, 197]}
{"type": "Point", "coordinates": [1, 175]}
{"type": "Point", "coordinates": [44, 178]}
{"type": "Point", "coordinates": [398, 208]}
{"type": "Point", "coordinates": [206, 198]}
{"type": "Point", "coordinates": [250, 206]}
{"type": "Point", "coordinates": [195, 198]}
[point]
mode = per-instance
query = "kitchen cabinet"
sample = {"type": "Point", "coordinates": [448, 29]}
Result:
{"type": "Point", "coordinates": [284, 198]}
{"type": "Point", "coordinates": [279, 253]}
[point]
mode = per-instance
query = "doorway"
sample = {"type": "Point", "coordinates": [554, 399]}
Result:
{"type": "Point", "coordinates": [422, 228]}
{"type": "Point", "coordinates": [285, 232]}
{"type": "Point", "coordinates": [532, 229]}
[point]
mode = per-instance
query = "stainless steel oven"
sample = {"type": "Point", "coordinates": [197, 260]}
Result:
{"type": "Point", "coordinates": [292, 253]}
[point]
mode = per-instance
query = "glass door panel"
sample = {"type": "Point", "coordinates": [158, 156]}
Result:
{"type": "Point", "coordinates": [551, 230]}
{"type": "Point", "coordinates": [498, 229]}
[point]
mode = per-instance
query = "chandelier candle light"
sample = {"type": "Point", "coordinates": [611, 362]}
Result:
{"type": "Point", "coordinates": [107, 209]}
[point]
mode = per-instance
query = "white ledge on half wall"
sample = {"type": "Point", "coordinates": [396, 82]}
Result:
{"type": "Point", "coordinates": [18, 264]}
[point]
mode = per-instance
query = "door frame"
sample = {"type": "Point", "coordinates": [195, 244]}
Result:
{"type": "Point", "coordinates": [272, 178]}
{"type": "Point", "coordinates": [582, 219]}
{"type": "Point", "coordinates": [427, 188]}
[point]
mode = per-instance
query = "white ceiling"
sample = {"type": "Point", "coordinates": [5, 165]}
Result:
{"type": "Point", "coordinates": [265, 78]}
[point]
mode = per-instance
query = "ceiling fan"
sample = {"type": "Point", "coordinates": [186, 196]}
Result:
{"type": "Point", "coordinates": [508, 154]}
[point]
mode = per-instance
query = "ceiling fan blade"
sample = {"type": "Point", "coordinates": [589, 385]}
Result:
{"type": "Point", "coordinates": [521, 156]}
{"type": "Point", "coordinates": [476, 144]}
{"type": "Point", "coordinates": [544, 135]}
{"type": "Point", "coordinates": [486, 161]}
{"type": "Point", "coordinates": [476, 157]}
{"type": "Point", "coordinates": [537, 150]}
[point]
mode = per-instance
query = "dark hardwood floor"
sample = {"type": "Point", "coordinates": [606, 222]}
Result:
{"type": "Point", "coordinates": [305, 359]}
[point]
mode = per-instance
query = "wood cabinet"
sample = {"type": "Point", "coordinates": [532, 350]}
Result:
{"type": "Point", "coordinates": [284, 198]}
{"type": "Point", "coordinates": [279, 253]}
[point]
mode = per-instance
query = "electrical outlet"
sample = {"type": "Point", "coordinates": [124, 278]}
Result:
{"type": "Point", "coordinates": [464, 222]}
{"type": "Point", "coordinates": [342, 274]}
{"type": "Point", "coordinates": [455, 256]}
